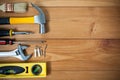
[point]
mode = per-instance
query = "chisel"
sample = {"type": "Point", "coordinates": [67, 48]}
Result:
{"type": "Point", "coordinates": [11, 32]}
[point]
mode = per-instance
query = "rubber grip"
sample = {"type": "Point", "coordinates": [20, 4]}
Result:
{"type": "Point", "coordinates": [6, 41]}
{"type": "Point", "coordinates": [5, 20]}
{"type": "Point", "coordinates": [4, 33]}
{"type": "Point", "coordinates": [23, 20]}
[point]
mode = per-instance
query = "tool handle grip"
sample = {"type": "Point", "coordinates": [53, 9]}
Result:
{"type": "Point", "coordinates": [23, 20]}
{"type": "Point", "coordinates": [16, 20]}
{"type": "Point", "coordinates": [7, 54]}
{"type": "Point", "coordinates": [5, 20]}
{"type": "Point", "coordinates": [6, 41]}
{"type": "Point", "coordinates": [4, 33]}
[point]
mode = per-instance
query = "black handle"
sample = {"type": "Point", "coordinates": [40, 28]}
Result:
{"type": "Point", "coordinates": [4, 33]}
{"type": "Point", "coordinates": [6, 41]}
{"type": "Point", "coordinates": [7, 70]}
{"type": "Point", "coordinates": [4, 20]}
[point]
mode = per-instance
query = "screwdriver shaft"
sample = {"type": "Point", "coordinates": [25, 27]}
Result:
{"type": "Point", "coordinates": [10, 41]}
{"type": "Point", "coordinates": [17, 33]}
{"type": "Point", "coordinates": [27, 42]}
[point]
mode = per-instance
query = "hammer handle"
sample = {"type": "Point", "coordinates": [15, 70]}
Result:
{"type": "Point", "coordinates": [5, 20]}
{"type": "Point", "coordinates": [16, 20]}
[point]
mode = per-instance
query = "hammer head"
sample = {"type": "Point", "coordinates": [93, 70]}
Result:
{"type": "Point", "coordinates": [40, 19]}
{"type": "Point", "coordinates": [20, 53]}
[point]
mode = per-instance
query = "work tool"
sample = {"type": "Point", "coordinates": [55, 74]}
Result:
{"type": "Point", "coordinates": [17, 53]}
{"type": "Point", "coordinates": [14, 7]}
{"type": "Point", "coordinates": [39, 19]}
{"type": "Point", "coordinates": [13, 41]}
{"type": "Point", "coordinates": [38, 52]}
{"type": "Point", "coordinates": [11, 32]}
{"type": "Point", "coordinates": [23, 70]}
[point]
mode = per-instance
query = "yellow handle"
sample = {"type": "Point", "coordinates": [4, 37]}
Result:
{"type": "Point", "coordinates": [23, 20]}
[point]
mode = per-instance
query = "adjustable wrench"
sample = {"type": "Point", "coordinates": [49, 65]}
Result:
{"type": "Point", "coordinates": [18, 53]}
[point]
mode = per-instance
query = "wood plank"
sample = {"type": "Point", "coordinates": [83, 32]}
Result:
{"type": "Point", "coordinates": [76, 23]}
{"type": "Point", "coordinates": [82, 36]}
{"type": "Point", "coordinates": [70, 12]}
{"type": "Point", "coordinates": [82, 55]}
{"type": "Point", "coordinates": [101, 29]}
{"type": "Point", "coordinates": [79, 75]}
{"type": "Point", "coordinates": [71, 3]}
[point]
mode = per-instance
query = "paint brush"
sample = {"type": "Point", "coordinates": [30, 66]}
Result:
{"type": "Point", "coordinates": [14, 7]}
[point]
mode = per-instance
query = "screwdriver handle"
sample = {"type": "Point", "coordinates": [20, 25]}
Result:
{"type": "Point", "coordinates": [6, 33]}
{"type": "Point", "coordinates": [6, 41]}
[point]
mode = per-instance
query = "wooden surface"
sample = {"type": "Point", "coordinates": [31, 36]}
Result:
{"type": "Point", "coordinates": [83, 38]}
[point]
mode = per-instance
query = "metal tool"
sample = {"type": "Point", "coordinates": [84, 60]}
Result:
{"type": "Point", "coordinates": [39, 19]}
{"type": "Point", "coordinates": [11, 32]}
{"type": "Point", "coordinates": [12, 41]}
{"type": "Point", "coordinates": [18, 53]}
{"type": "Point", "coordinates": [38, 52]}
{"type": "Point", "coordinates": [23, 70]}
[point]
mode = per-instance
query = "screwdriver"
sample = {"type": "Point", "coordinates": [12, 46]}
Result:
{"type": "Point", "coordinates": [12, 41]}
{"type": "Point", "coordinates": [11, 32]}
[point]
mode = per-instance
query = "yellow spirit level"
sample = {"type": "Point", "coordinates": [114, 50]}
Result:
{"type": "Point", "coordinates": [23, 70]}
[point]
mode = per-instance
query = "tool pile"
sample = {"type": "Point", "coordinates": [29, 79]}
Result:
{"type": "Point", "coordinates": [21, 69]}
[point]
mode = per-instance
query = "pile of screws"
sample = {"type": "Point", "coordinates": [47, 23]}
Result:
{"type": "Point", "coordinates": [40, 51]}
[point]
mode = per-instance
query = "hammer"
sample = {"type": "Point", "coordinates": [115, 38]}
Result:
{"type": "Point", "coordinates": [39, 19]}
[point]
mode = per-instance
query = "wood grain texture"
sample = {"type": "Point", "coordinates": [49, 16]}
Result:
{"type": "Point", "coordinates": [83, 38]}
{"type": "Point", "coordinates": [76, 75]}
{"type": "Point", "coordinates": [71, 3]}
{"type": "Point", "coordinates": [82, 55]}
{"type": "Point", "coordinates": [77, 23]}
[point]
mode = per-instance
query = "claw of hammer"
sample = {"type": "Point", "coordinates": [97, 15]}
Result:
{"type": "Point", "coordinates": [40, 19]}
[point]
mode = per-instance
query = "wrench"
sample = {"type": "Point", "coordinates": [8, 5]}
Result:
{"type": "Point", "coordinates": [18, 53]}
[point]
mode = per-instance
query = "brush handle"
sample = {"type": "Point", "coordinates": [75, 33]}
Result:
{"type": "Point", "coordinates": [11, 20]}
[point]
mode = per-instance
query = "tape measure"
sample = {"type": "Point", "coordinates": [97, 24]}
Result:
{"type": "Point", "coordinates": [23, 70]}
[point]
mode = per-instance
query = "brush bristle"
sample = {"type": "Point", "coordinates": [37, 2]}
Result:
{"type": "Point", "coordinates": [20, 7]}
{"type": "Point", "coordinates": [3, 7]}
